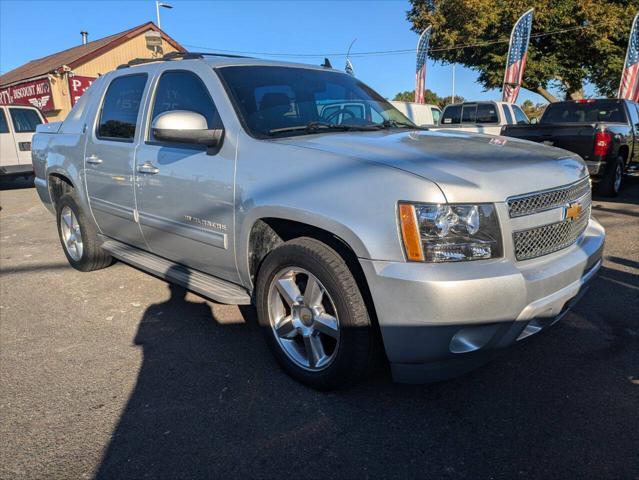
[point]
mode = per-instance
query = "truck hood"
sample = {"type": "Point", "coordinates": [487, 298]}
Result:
{"type": "Point", "coordinates": [467, 167]}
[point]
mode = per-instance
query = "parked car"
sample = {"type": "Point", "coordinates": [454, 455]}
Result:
{"type": "Point", "coordinates": [482, 117]}
{"type": "Point", "coordinates": [605, 132]}
{"type": "Point", "coordinates": [17, 126]}
{"type": "Point", "coordinates": [218, 174]}
{"type": "Point", "coordinates": [423, 114]}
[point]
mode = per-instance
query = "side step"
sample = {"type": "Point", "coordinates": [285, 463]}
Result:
{"type": "Point", "coordinates": [206, 285]}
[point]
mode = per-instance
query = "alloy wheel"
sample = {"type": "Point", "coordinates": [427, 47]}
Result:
{"type": "Point", "coordinates": [71, 234]}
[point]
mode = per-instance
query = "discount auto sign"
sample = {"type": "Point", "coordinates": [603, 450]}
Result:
{"type": "Point", "coordinates": [36, 93]}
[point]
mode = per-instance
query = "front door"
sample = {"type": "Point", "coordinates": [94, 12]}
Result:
{"type": "Point", "coordinates": [24, 122]}
{"type": "Point", "coordinates": [109, 159]}
{"type": "Point", "coordinates": [184, 193]}
{"type": "Point", "coordinates": [8, 152]}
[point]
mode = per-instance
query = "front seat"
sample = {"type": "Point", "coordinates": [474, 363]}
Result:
{"type": "Point", "coordinates": [273, 108]}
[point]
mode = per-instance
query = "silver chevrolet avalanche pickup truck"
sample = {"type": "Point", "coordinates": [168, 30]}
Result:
{"type": "Point", "coordinates": [302, 191]}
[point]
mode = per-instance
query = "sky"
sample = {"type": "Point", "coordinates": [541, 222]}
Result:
{"type": "Point", "coordinates": [34, 29]}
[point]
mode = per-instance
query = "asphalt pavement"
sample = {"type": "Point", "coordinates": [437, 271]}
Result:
{"type": "Point", "coordinates": [115, 374]}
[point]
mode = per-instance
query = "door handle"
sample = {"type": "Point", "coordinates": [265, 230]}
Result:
{"type": "Point", "coordinates": [93, 159]}
{"type": "Point", "coordinates": [148, 167]}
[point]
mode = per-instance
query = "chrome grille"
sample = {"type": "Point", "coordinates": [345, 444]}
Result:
{"type": "Point", "coordinates": [540, 201]}
{"type": "Point", "coordinates": [538, 241]}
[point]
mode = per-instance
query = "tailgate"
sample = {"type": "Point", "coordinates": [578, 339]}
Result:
{"type": "Point", "coordinates": [576, 138]}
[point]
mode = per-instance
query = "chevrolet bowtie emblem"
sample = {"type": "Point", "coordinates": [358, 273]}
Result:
{"type": "Point", "coordinates": [572, 211]}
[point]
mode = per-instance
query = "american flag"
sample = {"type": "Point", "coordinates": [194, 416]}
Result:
{"type": "Point", "coordinates": [629, 86]}
{"type": "Point", "coordinates": [517, 54]}
{"type": "Point", "coordinates": [420, 74]}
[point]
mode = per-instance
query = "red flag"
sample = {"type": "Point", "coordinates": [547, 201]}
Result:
{"type": "Point", "coordinates": [517, 55]}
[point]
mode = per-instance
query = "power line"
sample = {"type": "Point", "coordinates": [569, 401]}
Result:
{"type": "Point", "coordinates": [389, 52]}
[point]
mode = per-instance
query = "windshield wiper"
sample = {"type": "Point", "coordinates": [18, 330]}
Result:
{"type": "Point", "coordinates": [397, 124]}
{"type": "Point", "coordinates": [313, 127]}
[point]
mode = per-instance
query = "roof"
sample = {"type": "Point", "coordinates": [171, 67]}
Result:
{"type": "Point", "coordinates": [80, 54]}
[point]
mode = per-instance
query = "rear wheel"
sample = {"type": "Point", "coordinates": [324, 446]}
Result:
{"type": "Point", "coordinates": [79, 237]}
{"type": "Point", "coordinates": [610, 184]}
{"type": "Point", "coordinates": [313, 315]}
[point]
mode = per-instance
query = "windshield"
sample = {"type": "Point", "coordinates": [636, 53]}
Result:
{"type": "Point", "coordinates": [285, 101]}
{"type": "Point", "coordinates": [584, 112]}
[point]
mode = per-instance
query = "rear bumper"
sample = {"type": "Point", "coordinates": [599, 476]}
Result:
{"type": "Point", "coordinates": [441, 320]}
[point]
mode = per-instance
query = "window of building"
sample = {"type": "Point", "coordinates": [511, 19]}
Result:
{"type": "Point", "coordinates": [120, 109]}
{"type": "Point", "coordinates": [24, 120]}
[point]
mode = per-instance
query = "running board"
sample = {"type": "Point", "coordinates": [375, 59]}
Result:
{"type": "Point", "coordinates": [206, 285]}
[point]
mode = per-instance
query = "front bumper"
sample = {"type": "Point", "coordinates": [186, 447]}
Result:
{"type": "Point", "coordinates": [441, 320]}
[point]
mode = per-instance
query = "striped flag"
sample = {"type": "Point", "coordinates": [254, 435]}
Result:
{"type": "Point", "coordinates": [517, 54]}
{"type": "Point", "coordinates": [629, 86]}
{"type": "Point", "coordinates": [420, 74]}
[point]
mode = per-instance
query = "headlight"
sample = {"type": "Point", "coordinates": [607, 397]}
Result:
{"type": "Point", "coordinates": [450, 233]}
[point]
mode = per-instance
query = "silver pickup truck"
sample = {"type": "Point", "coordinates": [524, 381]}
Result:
{"type": "Point", "coordinates": [347, 228]}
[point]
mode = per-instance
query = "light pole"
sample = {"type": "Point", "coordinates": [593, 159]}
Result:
{"type": "Point", "coordinates": [159, 4]}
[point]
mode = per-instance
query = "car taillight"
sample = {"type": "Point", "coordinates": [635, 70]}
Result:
{"type": "Point", "coordinates": [602, 143]}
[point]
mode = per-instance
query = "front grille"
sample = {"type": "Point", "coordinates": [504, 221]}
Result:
{"type": "Point", "coordinates": [540, 201]}
{"type": "Point", "coordinates": [538, 241]}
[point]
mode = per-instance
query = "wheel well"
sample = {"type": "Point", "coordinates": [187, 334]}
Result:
{"type": "Point", "coordinates": [58, 186]}
{"type": "Point", "coordinates": [268, 233]}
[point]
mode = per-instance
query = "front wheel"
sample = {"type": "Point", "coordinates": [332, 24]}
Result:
{"type": "Point", "coordinates": [313, 315]}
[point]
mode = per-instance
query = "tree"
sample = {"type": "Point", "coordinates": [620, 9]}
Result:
{"type": "Point", "coordinates": [533, 110]}
{"type": "Point", "coordinates": [449, 99]}
{"type": "Point", "coordinates": [589, 43]}
{"type": "Point", "coordinates": [409, 96]}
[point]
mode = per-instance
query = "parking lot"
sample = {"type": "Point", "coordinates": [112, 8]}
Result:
{"type": "Point", "coordinates": [114, 374]}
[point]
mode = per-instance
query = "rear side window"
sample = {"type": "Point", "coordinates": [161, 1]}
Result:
{"type": "Point", "coordinates": [451, 115]}
{"type": "Point", "coordinates": [24, 120]}
{"type": "Point", "coordinates": [469, 114]}
{"type": "Point", "coordinates": [4, 126]}
{"type": "Point", "coordinates": [436, 115]}
{"type": "Point", "coordinates": [120, 108]}
{"type": "Point", "coordinates": [487, 113]}
{"type": "Point", "coordinates": [520, 116]}
{"type": "Point", "coordinates": [183, 90]}
{"type": "Point", "coordinates": [507, 114]}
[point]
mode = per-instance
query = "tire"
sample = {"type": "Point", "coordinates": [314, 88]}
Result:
{"type": "Point", "coordinates": [610, 184]}
{"type": "Point", "coordinates": [349, 349]}
{"type": "Point", "coordinates": [87, 254]}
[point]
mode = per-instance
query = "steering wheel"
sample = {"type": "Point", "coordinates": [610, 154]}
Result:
{"type": "Point", "coordinates": [337, 112]}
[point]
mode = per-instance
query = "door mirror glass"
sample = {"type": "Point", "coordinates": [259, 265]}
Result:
{"type": "Point", "coordinates": [183, 126]}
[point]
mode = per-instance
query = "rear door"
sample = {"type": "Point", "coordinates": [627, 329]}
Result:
{"type": "Point", "coordinates": [24, 121]}
{"type": "Point", "coordinates": [8, 151]}
{"type": "Point", "coordinates": [110, 157]}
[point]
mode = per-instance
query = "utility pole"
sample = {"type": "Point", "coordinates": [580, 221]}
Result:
{"type": "Point", "coordinates": [452, 100]}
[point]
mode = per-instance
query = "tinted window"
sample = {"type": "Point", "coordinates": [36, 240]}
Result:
{"type": "Point", "coordinates": [469, 113]}
{"type": "Point", "coordinates": [487, 113]}
{"type": "Point", "coordinates": [120, 109]}
{"type": "Point", "coordinates": [451, 115]}
{"type": "Point", "coordinates": [4, 127]}
{"type": "Point", "coordinates": [584, 112]}
{"type": "Point", "coordinates": [436, 115]}
{"type": "Point", "coordinates": [520, 117]}
{"type": "Point", "coordinates": [282, 101]}
{"type": "Point", "coordinates": [24, 120]}
{"type": "Point", "coordinates": [634, 115]}
{"type": "Point", "coordinates": [507, 114]}
{"type": "Point", "coordinates": [182, 90]}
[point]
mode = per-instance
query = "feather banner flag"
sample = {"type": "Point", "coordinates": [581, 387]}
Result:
{"type": "Point", "coordinates": [517, 55]}
{"type": "Point", "coordinates": [420, 73]}
{"type": "Point", "coordinates": [629, 85]}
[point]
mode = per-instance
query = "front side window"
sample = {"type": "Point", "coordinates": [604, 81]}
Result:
{"type": "Point", "coordinates": [469, 113]}
{"type": "Point", "coordinates": [285, 101]}
{"type": "Point", "coordinates": [119, 114]}
{"type": "Point", "coordinates": [436, 115]}
{"type": "Point", "coordinates": [507, 114]}
{"type": "Point", "coordinates": [184, 90]}
{"type": "Point", "coordinates": [4, 126]}
{"type": "Point", "coordinates": [487, 113]}
{"type": "Point", "coordinates": [520, 116]}
{"type": "Point", "coordinates": [451, 115]}
{"type": "Point", "coordinates": [24, 120]}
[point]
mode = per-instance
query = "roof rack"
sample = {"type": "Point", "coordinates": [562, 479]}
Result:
{"type": "Point", "coordinates": [176, 56]}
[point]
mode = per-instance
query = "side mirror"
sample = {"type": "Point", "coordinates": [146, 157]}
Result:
{"type": "Point", "coordinates": [534, 121]}
{"type": "Point", "coordinates": [183, 126]}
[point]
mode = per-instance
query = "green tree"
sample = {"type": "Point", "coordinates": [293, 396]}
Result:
{"type": "Point", "coordinates": [533, 110]}
{"type": "Point", "coordinates": [568, 59]}
{"type": "Point", "coordinates": [409, 96]}
{"type": "Point", "coordinates": [449, 99]}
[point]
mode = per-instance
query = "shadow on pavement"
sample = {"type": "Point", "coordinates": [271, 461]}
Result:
{"type": "Point", "coordinates": [210, 402]}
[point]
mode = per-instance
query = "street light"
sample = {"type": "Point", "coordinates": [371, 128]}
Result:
{"type": "Point", "coordinates": [159, 4]}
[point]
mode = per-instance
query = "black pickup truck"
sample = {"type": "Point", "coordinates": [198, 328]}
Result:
{"type": "Point", "coordinates": [604, 132]}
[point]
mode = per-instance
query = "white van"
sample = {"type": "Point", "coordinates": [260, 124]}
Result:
{"type": "Point", "coordinates": [482, 117]}
{"type": "Point", "coordinates": [17, 126]}
{"type": "Point", "coordinates": [422, 114]}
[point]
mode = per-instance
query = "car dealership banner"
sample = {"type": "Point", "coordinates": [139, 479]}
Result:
{"type": "Point", "coordinates": [517, 55]}
{"type": "Point", "coordinates": [420, 71]}
{"type": "Point", "coordinates": [36, 93]}
{"type": "Point", "coordinates": [629, 85]}
{"type": "Point", "coordinates": [78, 85]}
